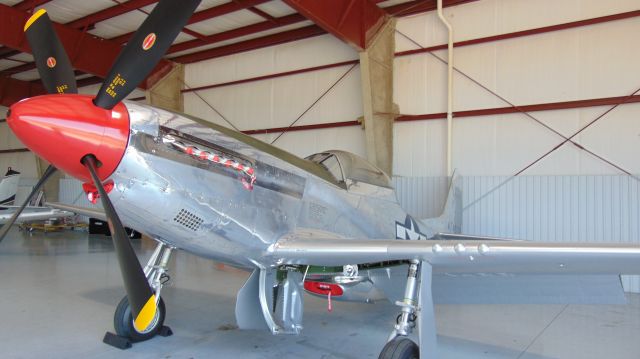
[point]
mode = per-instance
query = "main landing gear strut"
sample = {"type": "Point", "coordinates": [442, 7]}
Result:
{"type": "Point", "coordinates": [126, 334]}
{"type": "Point", "coordinates": [416, 307]}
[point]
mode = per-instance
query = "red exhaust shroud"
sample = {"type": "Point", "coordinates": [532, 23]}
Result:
{"type": "Point", "coordinates": [62, 129]}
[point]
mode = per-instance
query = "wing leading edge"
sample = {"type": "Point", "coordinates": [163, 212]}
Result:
{"type": "Point", "coordinates": [97, 213]}
{"type": "Point", "coordinates": [464, 254]}
{"type": "Point", "coordinates": [31, 214]}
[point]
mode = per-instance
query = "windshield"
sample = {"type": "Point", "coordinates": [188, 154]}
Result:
{"type": "Point", "coordinates": [345, 165]}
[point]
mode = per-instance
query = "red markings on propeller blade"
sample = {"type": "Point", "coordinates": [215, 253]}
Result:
{"type": "Point", "coordinates": [51, 62]}
{"type": "Point", "coordinates": [149, 41]}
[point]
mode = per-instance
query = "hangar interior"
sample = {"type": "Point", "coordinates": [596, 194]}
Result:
{"type": "Point", "coordinates": [544, 132]}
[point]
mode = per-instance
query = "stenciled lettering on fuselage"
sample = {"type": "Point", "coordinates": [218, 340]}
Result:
{"type": "Point", "coordinates": [409, 230]}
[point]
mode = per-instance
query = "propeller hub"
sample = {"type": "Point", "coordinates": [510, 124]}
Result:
{"type": "Point", "coordinates": [62, 129]}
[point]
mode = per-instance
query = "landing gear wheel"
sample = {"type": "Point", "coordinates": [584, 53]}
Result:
{"type": "Point", "coordinates": [400, 348]}
{"type": "Point", "coordinates": [123, 322]}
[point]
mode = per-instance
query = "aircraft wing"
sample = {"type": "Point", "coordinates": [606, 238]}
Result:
{"type": "Point", "coordinates": [83, 211]}
{"type": "Point", "coordinates": [32, 214]}
{"type": "Point", "coordinates": [463, 254]}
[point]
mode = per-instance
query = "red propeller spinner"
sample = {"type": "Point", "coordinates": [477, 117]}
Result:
{"type": "Point", "coordinates": [62, 129]}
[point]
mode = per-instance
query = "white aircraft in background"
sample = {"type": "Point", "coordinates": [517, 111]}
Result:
{"type": "Point", "coordinates": [8, 190]}
{"type": "Point", "coordinates": [9, 187]}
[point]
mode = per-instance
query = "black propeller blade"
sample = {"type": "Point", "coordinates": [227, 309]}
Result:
{"type": "Point", "coordinates": [135, 62]}
{"type": "Point", "coordinates": [47, 173]}
{"type": "Point", "coordinates": [144, 50]}
{"type": "Point", "coordinates": [51, 58]}
{"type": "Point", "coordinates": [142, 299]}
{"type": "Point", "coordinates": [57, 76]}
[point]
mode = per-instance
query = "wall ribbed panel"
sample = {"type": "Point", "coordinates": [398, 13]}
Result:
{"type": "Point", "coordinates": [539, 208]}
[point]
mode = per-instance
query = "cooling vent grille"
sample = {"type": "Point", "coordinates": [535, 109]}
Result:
{"type": "Point", "coordinates": [188, 220]}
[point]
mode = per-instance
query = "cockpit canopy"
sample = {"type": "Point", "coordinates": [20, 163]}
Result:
{"type": "Point", "coordinates": [345, 166]}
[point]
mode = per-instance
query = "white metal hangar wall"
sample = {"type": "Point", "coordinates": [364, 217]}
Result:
{"type": "Point", "coordinates": [570, 65]}
{"type": "Point", "coordinates": [24, 161]}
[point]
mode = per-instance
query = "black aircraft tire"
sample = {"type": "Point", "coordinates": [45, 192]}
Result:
{"type": "Point", "coordinates": [123, 322]}
{"type": "Point", "coordinates": [400, 348]}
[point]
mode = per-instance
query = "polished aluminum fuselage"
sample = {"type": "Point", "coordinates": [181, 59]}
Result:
{"type": "Point", "coordinates": [204, 207]}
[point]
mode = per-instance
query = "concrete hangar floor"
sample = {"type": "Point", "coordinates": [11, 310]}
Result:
{"type": "Point", "coordinates": [58, 292]}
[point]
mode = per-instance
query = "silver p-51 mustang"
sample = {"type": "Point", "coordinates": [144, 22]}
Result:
{"type": "Point", "coordinates": [329, 225]}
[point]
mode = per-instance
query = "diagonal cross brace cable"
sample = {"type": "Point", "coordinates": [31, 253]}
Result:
{"type": "Point", "coordinates": [568, 139]}
{"type": "Point", "coordinates": [315, 102]}
{"type": "Point", "coordinates": [579, 146]}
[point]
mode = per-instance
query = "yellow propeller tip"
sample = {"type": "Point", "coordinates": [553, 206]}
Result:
{"type": "Point", "coordinates": [33, 18]}
{"type": "Point", "coordinates": [146, 315]}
